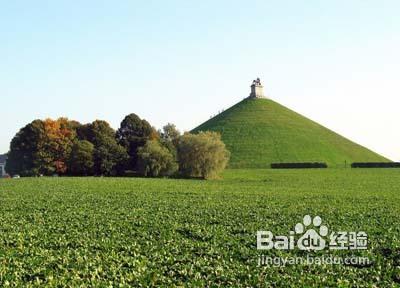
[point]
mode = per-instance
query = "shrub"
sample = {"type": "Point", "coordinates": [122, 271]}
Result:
{"type": "Point", "coordinates": [375, 165]}
{"type": "Point", "coordinates": [304, 165]}
{"type": "Point", "coordinates": [202, 155]}
{"type": "Point", "coordinates": [155, 160]}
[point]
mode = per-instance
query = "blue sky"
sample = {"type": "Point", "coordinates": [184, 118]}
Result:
{"type": "Point", "coordinates": [336, 62]}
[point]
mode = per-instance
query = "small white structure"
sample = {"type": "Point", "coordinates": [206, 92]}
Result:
{"type": "Point", "coordinates": [257, 90]}
{"type": "Point", "coordinates": [3, 159]}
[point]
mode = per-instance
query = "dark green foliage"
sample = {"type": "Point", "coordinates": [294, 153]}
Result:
{"type": "Point", "coordinates": [84, 132]}
{"type": "Point", "coordinates": [375, 165]}
{"type": "Point", "coordinates": [305, 165]}
{"type": "Point", "coordinates": [155, 160]}
{"type": "Point", "coordinates": [95, 132]}
{"type": "Point", "coordinates": [202, 155]}
{"type": "Point", "coordinates": [81, 160]}
{"type": "Point", "coordinates": [108, 153]}
{"type": "Point", "coordinates": [107, 156]}
{"type": "Point", "coordinates": [73, 125]}
{"type": "Point", "coordinates": [23, 157]}
{"type": "Point", "coordinates": [42, 147]}
{"type": "Point", "coordinates": [45, 147]}
{"type": "Point", "coordinates": [132, 134]}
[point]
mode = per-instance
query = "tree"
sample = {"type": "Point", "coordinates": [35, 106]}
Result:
{"type": "Point", "coordinates": [45, 147]}
{"type": "Point", "coordinates": [155, 160]}
{"type": "Point", "coordinates": [133, 134]}
{"type": "Point", "coordinates": [23, 156]}
{"type": "Point", "coordinates": [94, 132]}
{"type": "Point", "coordinates": [170, 134]}
{"type": "Point", "coordinates": [202, 155]}
{"type": "Point", "coordinates": [55, 150]}
{"type": "Point", "coordinates": [84, 132]}
{"type": "Point", "coordinates": [81, 159]}
{"type": "Point", "coordinates": [169, 138]}
{"type": "Point", "coordinates": [109, 157]}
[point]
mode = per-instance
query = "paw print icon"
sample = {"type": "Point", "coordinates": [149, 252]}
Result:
{"type": "Point", "coordinates": [311, 239]}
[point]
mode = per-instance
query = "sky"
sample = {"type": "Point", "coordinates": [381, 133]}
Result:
{"type": "Point", "coordinates": [336, 62]}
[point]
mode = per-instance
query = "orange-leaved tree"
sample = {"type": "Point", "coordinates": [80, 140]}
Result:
{"type": "Point", "coordinates": [55, 150]}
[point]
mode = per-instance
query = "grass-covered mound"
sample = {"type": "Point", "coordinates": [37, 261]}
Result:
{"type": "Point", "coordinates": [259, 132]}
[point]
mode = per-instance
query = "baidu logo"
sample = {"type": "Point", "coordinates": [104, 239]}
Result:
{"type": "Point", "coordinates": [312, 235]}
{"type": "Point", "coordinates": [311, 239]}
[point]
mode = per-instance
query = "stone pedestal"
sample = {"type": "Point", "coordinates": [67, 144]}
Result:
{"type": "Point", "coordinates": [257, 90]}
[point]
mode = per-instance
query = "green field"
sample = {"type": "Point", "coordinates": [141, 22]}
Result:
{"type": "Point", "coordinates": [143, 232]}
{"type": "Point", "coordinates": [259, 132]}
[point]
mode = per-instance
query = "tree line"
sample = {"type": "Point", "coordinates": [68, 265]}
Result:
{"type": "Point", "coordinates": [67, 147]}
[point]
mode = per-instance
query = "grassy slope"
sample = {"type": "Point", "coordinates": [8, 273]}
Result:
{"type": "Point", "coordinates": [142, 232]}
{"type": "Point", "coordinates": [261, 131]}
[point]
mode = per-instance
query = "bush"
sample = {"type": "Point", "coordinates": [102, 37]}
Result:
{"type": "Point", "coordinates": [375, 165]}
{"type": "Point", "coordinates": [155, 160]}
{"type": "Point", "coordinates": [304, 165]}
{"type": "Point", "coordinates": [202, 155]}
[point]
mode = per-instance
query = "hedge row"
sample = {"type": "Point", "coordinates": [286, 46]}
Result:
{"type": "Point", "coordinates": [375, 165]}
{"type": "Point", "coordinates": [305, 165]}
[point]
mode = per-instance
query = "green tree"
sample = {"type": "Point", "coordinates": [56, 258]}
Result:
{"type": "Point", "coordinates": [155, 160]}
{"type": "Point", "coordinates": [202, 155]}
{"type": "Point", "coordinates": [84, 132]}
{"type": "Point", "coordinates": [81, 160]}
{"type": "Point", "coordinates": [95, 132]}
{"type": "Point", "coordinates": [109, 157]}
{"type": "Point", "coordinates": [23, 157]}
{"type": "Point", "coordinates": [133, 134]}
{"type": "Point", "coordinates": [170, 133]}
{"type": "Point", "coordinates": [169, 138]}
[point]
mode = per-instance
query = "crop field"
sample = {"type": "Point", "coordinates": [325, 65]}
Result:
{"type": "Point", "coordinates": [133, 232]}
